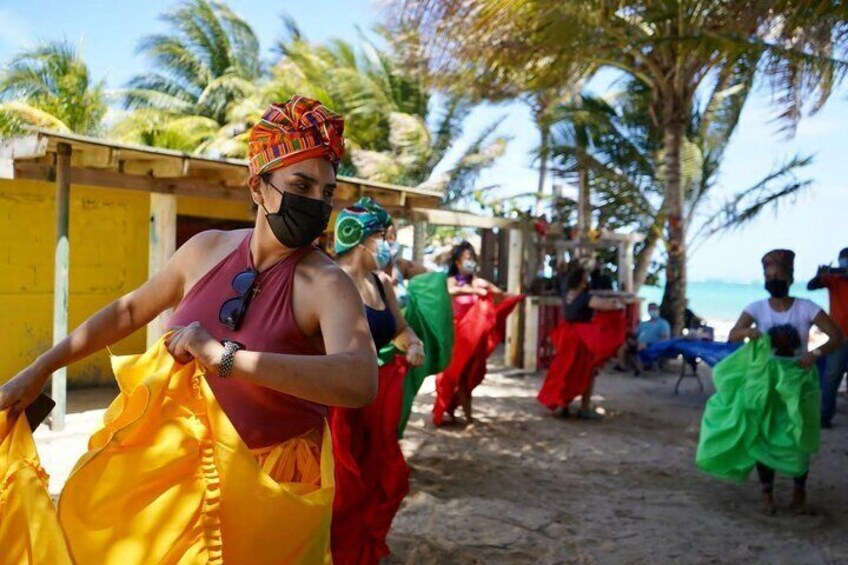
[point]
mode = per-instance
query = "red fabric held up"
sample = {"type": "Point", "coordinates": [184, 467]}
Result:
{"type": "Point", "coordinates": [477, 335]}
{"type": "Point", "coordinates": [580, 349]}
{"type": "Point", "coordinates": [372, 477]}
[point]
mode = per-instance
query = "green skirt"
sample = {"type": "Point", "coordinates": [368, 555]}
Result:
{"type": "Point", "coordinates": [765, 410]}
{"type": "Point", "coordinates": [430, 313]}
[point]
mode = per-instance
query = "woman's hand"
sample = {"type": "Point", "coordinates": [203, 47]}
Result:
{"type": "Point", "coordinates": [415, 354]}
{"type": "Point", "coordinates": [22, 389]}
{"type": "Point", "coordinates": [753, 334]}
{"type": "Point", "coordinates": [194, 342]}
{"type": "Point", "coordinates": [807, 360]}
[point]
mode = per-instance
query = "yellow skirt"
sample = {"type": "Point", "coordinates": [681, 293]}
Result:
{"type": "Point", "coordinates": [168, 480]}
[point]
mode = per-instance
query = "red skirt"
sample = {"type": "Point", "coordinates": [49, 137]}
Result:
{"type": "Point", "coordinates": [372, 477]}
{"type": "Point", "coordinates": [476, 336]}
{"type": "Point", "coordinates": [580, 349]}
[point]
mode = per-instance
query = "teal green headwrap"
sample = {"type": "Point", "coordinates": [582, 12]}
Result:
{"type": "Point", "coordinates": [356, 223]}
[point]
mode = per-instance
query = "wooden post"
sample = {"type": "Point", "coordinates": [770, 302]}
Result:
{"type": "Point", "coordinates": [488, 243]}
{"type": "Point", "coordinates": [514, 340]}
{"type": "Point", "coordinates": [61, 283]}
{"type": "Point", "coordinates": [162, 242]}
{"type": "Point", "coordinates": [625, 266]}
{"type": "Point", "coordinates": [503, 258]}
{"type": "Point", "coordinates": [531, 334]}
{"type": "Point", "coordinates": [419, 241]}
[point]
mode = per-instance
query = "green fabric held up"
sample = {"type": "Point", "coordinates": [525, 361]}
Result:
{"type": "Point", "coordinates": [430, 313]}
{"type": "Point", "coordinates": [765, 409]}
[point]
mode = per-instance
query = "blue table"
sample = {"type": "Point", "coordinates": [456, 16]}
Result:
{"type": "Point", "coordinates": [693, 351]}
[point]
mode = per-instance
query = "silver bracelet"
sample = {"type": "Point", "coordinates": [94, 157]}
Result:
{"type": "Point", "coordinates": [225, 368]}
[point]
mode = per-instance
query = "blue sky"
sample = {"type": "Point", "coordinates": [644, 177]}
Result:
{"type": "Point", "coordinates": [815, 224]}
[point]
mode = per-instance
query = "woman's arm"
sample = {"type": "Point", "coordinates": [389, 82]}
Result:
{"type": "Point", "coordinates": [599, 303]}
{"type": "Point", "coordinates": [744, 329]}
{"type": "Point", "coordinates": [410, 269]}
{"type": "Point", "coordinates": [346, 376]}
{"type": "Point", "coordinates": [835, 339]}
{"type": "Point", "coordinates": [484, 287]}
{"type": "Point", "coordinates": [111, 324]}
{"type": "Point", "coordinates": [455, 289]}
{"type": "Point", "coordinates": [405, 339]}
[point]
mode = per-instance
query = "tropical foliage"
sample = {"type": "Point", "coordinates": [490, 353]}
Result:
{"type": "Point", "coordinates": [611, 141]}
{"type": "Point", "coordinates": [50, 86]}
{"type": "Point", "coordinates": [673, 48]}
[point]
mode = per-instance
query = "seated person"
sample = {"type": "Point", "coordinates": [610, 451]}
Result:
{"type": "Point", "coordinates": [696, 325]}
{"type": "Point", "coordinates": [652, 331]}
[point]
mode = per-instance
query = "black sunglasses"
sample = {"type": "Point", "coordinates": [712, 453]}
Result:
{"type": "Point", "coordinates": [233, 310]}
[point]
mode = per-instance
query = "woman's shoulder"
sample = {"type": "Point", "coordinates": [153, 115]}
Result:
{"type": "Point", "coordinates": [756, 307]}
{"type": "Point", "coordinates": [807, 305]}
{"type": "Point", "coordinates": [207, 248]}
{"type": "Point", "coordinates": [212, 240]}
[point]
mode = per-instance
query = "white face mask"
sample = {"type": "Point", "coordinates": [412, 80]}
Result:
{"type": "Point", "coordinates": [469, 267]}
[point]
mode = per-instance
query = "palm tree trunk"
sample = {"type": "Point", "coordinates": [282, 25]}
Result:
{"type": "Point", "coordinates": [584, 209]}
{"type": "Point", "coordinates": [674, 297]}
{"type": "Point", "coordinates": [545, 134]}
{"type": "Point", "coordinates": [643, 259]}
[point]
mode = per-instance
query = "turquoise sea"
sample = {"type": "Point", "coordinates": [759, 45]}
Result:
{"type": "Point", "coordinates": [724, 301]}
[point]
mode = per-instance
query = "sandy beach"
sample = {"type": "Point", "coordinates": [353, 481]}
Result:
{"type": "Point", "coordinates": [523, 486]}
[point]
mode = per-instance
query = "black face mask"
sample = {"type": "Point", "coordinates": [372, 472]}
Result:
{"type": "Point", "coordinates": [778, 288]}
{"type": "Point", "coordinates": [300, 221]}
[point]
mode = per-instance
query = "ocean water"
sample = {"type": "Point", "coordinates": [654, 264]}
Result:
{"type": "Point", "coordinates": [725, 301]}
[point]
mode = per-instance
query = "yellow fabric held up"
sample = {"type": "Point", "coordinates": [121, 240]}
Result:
{"type": "Point", "coordinates": [29, 531]}
{"type": "Point", "coordinates": [168, 480]}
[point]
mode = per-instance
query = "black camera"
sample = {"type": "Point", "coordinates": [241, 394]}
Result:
{"type": "Point", "coordinates": [840, 271]}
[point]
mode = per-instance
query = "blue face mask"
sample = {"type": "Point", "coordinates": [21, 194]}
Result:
{"type": "Point", "coordinates": [383, 254]}
{"type": "Point", "coordinates": [843, 263]}
{"type": "Point", "coordinates": [653, 314]}
{"type": "Point", "coordinates": [395, 249]}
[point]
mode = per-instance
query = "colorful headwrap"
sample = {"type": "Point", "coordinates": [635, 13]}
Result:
{"type": "Point", "coordinates": [356, 223]}
{"type": "Point", "coordinates": [783, 259]}
{"type": "Point", "coordinates": [296, 130]}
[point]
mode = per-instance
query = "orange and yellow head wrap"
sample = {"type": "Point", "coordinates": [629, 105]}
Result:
{"type": "Point", "coordinates": [294, 131]}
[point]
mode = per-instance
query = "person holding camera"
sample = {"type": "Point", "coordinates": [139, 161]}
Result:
{"type": "Point", "coordinates": [836, 283]}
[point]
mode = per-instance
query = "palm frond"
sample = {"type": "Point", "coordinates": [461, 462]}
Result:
{"type": "Point", "coordinates": [748, 204]}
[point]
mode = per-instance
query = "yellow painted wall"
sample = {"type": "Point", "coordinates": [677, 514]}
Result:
{"type": "Point", "coordinates": [217, 209]}
{"type": "Point", "coordinates": [108, 237]}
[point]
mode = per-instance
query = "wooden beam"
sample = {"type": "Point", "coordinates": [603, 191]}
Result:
{"type": "Point", "coordinates": [462, 219]}
{"type": "Point", "coordinates": [95, 157]}
{"type": "Point", "coordinates": [514, 341]}
{"type": "Point", "coordinates": [112, 179]}
{"type": "Point", "coordinates": [24, 147]}
{"type": "Point", "coordinates": [59, 380]}
{"type": "Point", "coordinates": [162, 242]}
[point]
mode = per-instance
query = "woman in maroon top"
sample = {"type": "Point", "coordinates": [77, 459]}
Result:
{"type": "Point", "coordinates": [279, 328]}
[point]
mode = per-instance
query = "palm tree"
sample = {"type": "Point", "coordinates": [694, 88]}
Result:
{"type": "Point", "coordinates": [672, 47]}
{"type": "Point", "coordinates": [207, 64]}
{"type": "Point", "coordinates": [387, 109]}
{"type": "Point", "coordinates": [50, 86]}
{"type": "Point", "coordinates": [618, 149]}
